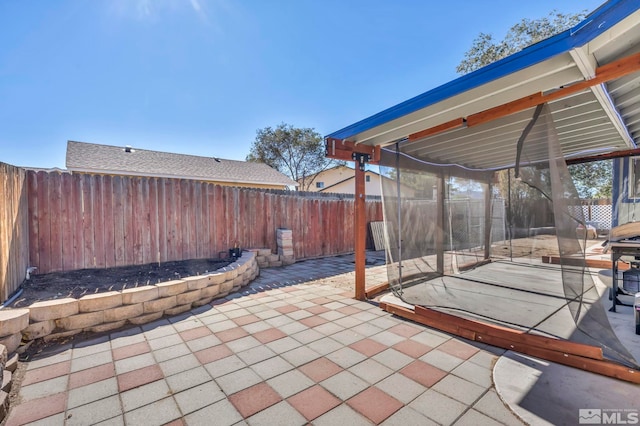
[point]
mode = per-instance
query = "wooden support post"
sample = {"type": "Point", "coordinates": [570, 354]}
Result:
{"type": "Point", "coordinates": [360, 232]}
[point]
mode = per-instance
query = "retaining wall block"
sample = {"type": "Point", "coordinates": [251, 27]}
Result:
{"type": "Point", "coordinates": [6, 381]}
{"type": "Point", "coordinates": [171, 288]}
{"type": "Point", "coordinates": [11, 342]}
{"type": "Point", "coordinates": [123, 312]}
{"type": "Point", "coordinates": [216, 278]}
{"type": "Point", "coordinates": [196, 282]}
{"type": "Point", "coordinates": [4, 405]}
{"type": "Point", "coordinates": [264, 252]}
{"type": "Point", "coordinates": [100, 301]}
{"type": "Point", "coordinates": [188, 297]}
{"type": "Point", "coordinates": [226, 286]}
{"type": "Point", "coordinates": [53, 309]}
{"type": "Point", "coordinates": [231, 273]}
{"type": "Point", "coordinates": [210, 291]}
{"type": "Point", "coordinates": [237, 281]}
{"type": "Point", "coordinates": [131, 296]}
{"type": "Point", "coordinates": [159, 305]}
{"type": "Point", "coordinates": [275, 264]}
{"type": "Point", "coordinates": [178, 310]}
{"type": "Point", "coordinates": [202, 302]}
{"type": "Point", "coordinates": [3, 356]}
{"type": "Point", "coordinates": [12, 363]}
{"type": "Point", "coordinates": [273, 258]}
{"type": "Point", "coordinates": [143, 319]}
{"type": "Point", "coordinates": [61, 335]}
{"type": "Point", "coordinates": [106, 327]}
{"type": "Point", "coordinates": [13, 321]}
{"type": "Point", "coordinates": [37, 330]}
{"type": "Point", "coordinates": [80, 321]}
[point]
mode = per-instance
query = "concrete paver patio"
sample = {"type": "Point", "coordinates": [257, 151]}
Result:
{"type": "Point", "coordinates": [287, 350]}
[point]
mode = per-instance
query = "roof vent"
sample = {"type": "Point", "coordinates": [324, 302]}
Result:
{"type": "Point", "coordinates": [128, 148]}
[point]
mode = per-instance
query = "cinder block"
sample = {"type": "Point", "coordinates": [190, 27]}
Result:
{"type": "Point", "coordinates": [145, 293]}
{"type": "Point", "coordinates": [188, 297]}
{"type": "Point", "coordinates": [196, 282]}
{"type": "Point", "coordinates": [143, 319]}
{"type": "Point", "coordinates": [13, 321]}
{"type": "Point", "coordinates": [159, 305]}
{"type": "Point", "coordinates": [171, 288]}
{"type": "Point", "coordinates": [178, 310]}
{"type": "Point", "coordinates": [100, 301]}
{"type": "Point", "coordinates": [210, 291]}
{"type": "Point", "coordinates": [37, 330]}
{"type": "Point", "coordinates": [106, 327]}
{"type": "Point", "coordinates": [11, 342]}
{"type": "Point", "coordinates": [53, 309]}
{"type": "Point", "coordinates": [122, 313]}
{"type": "Point", "coordinates": [80, 321]}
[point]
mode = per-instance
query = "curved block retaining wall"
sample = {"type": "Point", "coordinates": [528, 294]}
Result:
{"type": "Point", "coordinates": [101, 312]}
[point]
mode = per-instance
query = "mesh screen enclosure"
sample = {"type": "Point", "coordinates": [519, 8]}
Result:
{"type": "Point", "coordinates": [469, 240]}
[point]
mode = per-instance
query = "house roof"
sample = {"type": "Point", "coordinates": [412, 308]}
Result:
{"type": "Point", "coordinates": [94, 158]}
{"type": "Point", "coordinates": [458, 122]}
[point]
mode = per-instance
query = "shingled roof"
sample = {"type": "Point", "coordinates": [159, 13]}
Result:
{"type": "Point", "coordinates": [120, 160]}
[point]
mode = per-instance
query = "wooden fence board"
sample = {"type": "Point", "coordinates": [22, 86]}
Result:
{"type": "Point", "coordinates": [80, 221]}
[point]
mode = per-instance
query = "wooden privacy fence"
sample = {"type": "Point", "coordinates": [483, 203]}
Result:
{"type": "Point", "coordinates": [79, 221]}
{"type": "Point", "coordinates": [14, 249]}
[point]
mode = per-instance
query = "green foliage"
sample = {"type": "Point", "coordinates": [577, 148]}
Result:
{"type": "Point", "coordinates": [298, 153]}
{"type": "Point", "coordinates": [486, 50]}
{"type": "Point", "coordinates": [593, 180]}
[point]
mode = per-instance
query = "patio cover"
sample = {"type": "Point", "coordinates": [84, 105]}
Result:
{"type": "Point", "coordinates": [584, 82]}
{"type": "Point", "coordinates": [587, 75]}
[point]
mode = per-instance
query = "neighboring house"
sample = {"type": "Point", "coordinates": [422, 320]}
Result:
{"type": "Point", "coordinates": [120, 160]}
{"type": "Point", "coordinates": [342, 180]}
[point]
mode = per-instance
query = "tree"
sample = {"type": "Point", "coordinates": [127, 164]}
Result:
{"type": "Point", "coordinates": [591, 179]}
{"type": "Point", "coordinates": [298, 153]}
{"type": "Point", "coordinates": [486, 50]}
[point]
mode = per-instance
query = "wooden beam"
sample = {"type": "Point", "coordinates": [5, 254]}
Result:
{"type": "Point", "coordinates": [342, 150]}
{"type": "Point", "coordinates": [576, 355]}
{"type": "Point", "coordinates": [376, 289]}
{"type": "Point", "coordinates": [607, 156]}
{"type": "Point", "coordinates": [453, 124]}
{"type": "Point", "coordinates": [360, 234]}
{"type": "Point", "coordinates": [616, 69]}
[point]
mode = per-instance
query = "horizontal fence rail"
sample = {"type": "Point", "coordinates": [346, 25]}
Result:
{"type": "Point", "coordinates": [79, 221]}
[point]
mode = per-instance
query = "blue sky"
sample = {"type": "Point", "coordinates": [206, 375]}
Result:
{"type": "Point", "coordinates": [201, 76]}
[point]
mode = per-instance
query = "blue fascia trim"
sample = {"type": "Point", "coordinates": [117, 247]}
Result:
{"type": "Point", "coordinates": [596, 23]}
